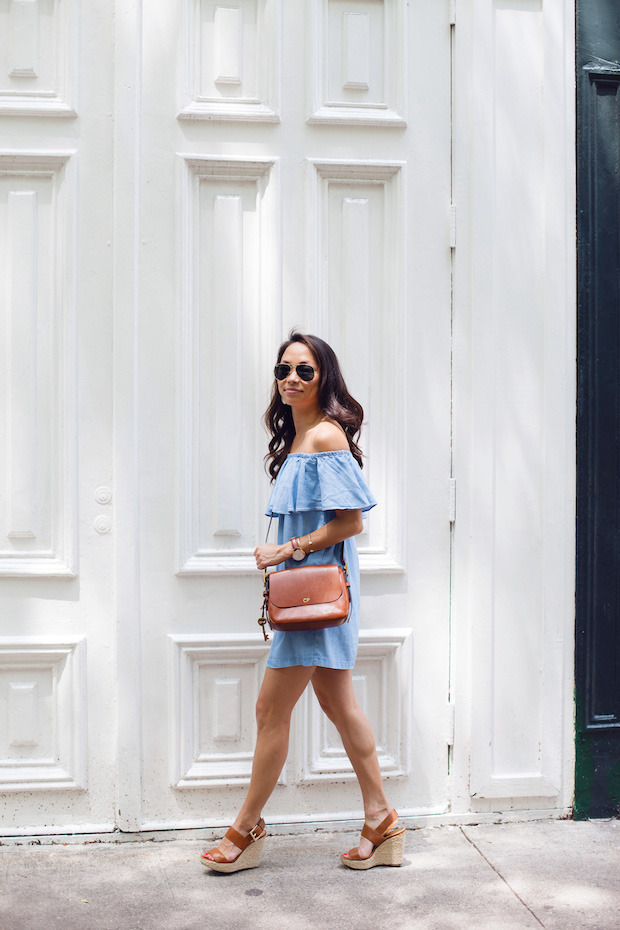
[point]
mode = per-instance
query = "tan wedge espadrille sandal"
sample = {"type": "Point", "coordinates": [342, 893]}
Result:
{"type": "Point", "coordinates": [251, 847]}
{"type": "Point", "coordinates": [388, 845]}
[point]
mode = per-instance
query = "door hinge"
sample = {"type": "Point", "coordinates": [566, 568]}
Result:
{"type": "Point", "coordinates": [452, 225]}
{"type": "Point", "coordinates": [450, 724]}
{"type": "Point", "coordinates": [452, 12]}
{"type": "Point", "coordinates": [452, 499]}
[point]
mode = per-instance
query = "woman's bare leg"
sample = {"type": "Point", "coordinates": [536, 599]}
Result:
{"type": "Point", "coordinates": [334, 690]}
{"type": "Point", "coordinates": [280, 691]}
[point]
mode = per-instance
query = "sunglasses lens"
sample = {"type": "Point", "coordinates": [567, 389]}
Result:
{"type": "Point", "coordinates": [282, 371]}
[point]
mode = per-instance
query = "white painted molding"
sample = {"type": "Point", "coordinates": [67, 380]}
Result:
{"type": "Point", "coordinates": [43, 697]}
{"type": "Point", "coordinates": [30, 163]}
{"type": "Point", "coordinates": [127, 425]}
{"type": "Point", "coordinates": [382, 681]}
{"type": "Point", "coordinates": [210, 828]}
{"type": "Point", "coordinates": [45, 441]}
{"type": "Point", "coordinates": [42, 81]}
{"type": "Point", "coordinates": [517, 786]}
{"type": "Point", "coordinates": [245, 278]}
{"type": "Point", "coordinates": [337, 96]}
{"type": "Point", "coordinates": [360, 264]}
{"type": "Point", "coordinates": [230, 61]}
{"type": "Point", "coordinates": [212, 740]}
{"type": "Point", "coordinates": [201, 666]}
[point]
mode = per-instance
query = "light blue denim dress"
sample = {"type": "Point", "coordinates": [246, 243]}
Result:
{"type": "Point", "coordinates": [308, 490]}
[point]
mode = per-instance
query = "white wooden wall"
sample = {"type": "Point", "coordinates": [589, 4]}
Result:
{"type": "Point", "coordinates": [246, 200]}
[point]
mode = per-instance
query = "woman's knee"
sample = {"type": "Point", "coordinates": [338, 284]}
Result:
{"type": "Point", "coordinates": [337, 708]}
{"type": "Point", "coordinates": [326, 706]}
{"type": "Point", "coordinates": [270, 714]}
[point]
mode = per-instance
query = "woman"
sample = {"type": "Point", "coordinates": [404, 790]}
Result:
{"type": "Point", "coordinates": [318, 496]}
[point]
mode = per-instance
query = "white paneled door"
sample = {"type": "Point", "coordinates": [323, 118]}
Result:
{"type": "Point", "coordinates": [57, 517]}
{"type": "Point", "coordinates": [295, 170]}
{"type": "Point", "coordinates": [275, 165]}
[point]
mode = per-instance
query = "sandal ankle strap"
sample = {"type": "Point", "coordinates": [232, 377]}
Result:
{"type": "Point", "coordinates": [242, 842]}
{"type": "Point", "coordinates": [378, 836]}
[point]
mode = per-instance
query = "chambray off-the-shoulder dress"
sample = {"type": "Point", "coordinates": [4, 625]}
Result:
{"type": "Point", "coordinates": [309, 488]}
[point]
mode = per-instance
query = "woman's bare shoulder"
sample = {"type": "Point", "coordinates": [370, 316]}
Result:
{"type": "Point", "coordinates": [329, 436]}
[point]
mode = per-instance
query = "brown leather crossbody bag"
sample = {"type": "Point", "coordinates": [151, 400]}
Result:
{"type": "Point", "coordinates": [312, 597]}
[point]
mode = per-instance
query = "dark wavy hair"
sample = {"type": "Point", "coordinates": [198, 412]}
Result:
{"type": "Point", "coordinates": [334, 400]}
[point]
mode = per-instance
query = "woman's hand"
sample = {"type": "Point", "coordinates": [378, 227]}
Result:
{"type": "Point", "coordinates": [272, 554]}
{"type": "Point", "coordinates": [346, 523]}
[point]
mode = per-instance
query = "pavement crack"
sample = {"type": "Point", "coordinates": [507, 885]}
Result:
{"type": "Point", "coordinates": [162, 869]}
{"type": "Point", "coordinates": [499, 874]}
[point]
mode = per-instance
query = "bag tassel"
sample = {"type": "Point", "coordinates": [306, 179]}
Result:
{"type": "Point", "coordinates": [262, 620]}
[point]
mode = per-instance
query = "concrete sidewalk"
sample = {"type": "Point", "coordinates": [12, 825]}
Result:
{"type": "Point", "coordinates": [559, 875]}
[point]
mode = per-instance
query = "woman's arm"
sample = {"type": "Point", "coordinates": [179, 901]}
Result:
{"type": "Point", "coordinates": [346, 523]}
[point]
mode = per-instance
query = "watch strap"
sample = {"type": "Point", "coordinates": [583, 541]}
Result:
{"type": "Point", "coordinates": [297, 549]}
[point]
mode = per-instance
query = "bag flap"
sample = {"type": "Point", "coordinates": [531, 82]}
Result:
{"type": "Point", "coordinates": [313, 584]}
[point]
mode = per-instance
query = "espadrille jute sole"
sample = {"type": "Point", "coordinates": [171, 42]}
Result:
{"type": "Point", "coordinates": [248, 859]}
{"type": "Point", "coordinates": [389, 852]}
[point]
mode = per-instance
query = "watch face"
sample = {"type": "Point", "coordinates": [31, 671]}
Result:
{"type": "Point", "coordinates": [298, 555]}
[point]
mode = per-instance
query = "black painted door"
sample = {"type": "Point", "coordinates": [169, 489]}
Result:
{"type": "Point", "coordinates": [597, 785]}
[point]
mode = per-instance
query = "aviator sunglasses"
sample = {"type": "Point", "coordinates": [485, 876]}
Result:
{"type": "Point", "coordinates": [283, 370]}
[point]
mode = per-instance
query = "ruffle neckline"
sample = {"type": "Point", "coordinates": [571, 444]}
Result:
{"type": "Point", "coordinates": [319, 481]}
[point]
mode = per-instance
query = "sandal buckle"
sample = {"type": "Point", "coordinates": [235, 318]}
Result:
{"type": "Point", "coordinates": [255, 836]}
